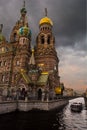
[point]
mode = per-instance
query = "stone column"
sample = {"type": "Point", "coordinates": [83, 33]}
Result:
{"type": "Point", "coordinates": [43, 95]}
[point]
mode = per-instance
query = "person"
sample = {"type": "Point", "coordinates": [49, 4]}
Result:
{"type": "Point", "coordinates": [23, 93]}
{"type": "Point", "coordinates": [39, 94]}
{"type": "Point", "coordinates": [18, 94]}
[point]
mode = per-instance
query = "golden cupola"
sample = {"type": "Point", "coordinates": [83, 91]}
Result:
{"type": "Point", "coordinates": [46, 20]}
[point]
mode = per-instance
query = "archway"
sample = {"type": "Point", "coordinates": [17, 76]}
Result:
{"type": "Point", "coordinates": [39, 94]}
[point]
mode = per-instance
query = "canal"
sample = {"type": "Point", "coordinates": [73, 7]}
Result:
{"type": "Point", "coordinates": [63, 120]}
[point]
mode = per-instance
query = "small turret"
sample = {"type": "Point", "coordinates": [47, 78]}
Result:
{"type": "Point", "coordinates": [2, 38]}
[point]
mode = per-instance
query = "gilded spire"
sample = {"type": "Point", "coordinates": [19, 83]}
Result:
{"type": "Point", "coordinates": [45, 11]}
{"type": "Point", "coordinates": [24, 4]}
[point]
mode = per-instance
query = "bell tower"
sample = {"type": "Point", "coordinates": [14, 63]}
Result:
{"type": "Point", "coordinates": [45, 53]}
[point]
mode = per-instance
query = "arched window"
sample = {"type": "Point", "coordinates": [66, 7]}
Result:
{"type": "Point", "coordinates": [48, 40]}
{"type": "Point", "coordinates": [3, 78]}
{"type": "Point", "coordinates": [45, 28]}
{"type": "Point", "coordinates": [42, 39]}
{"type": "Point", "coordinates": [1, 63]}
{"type": "Point", "coordinates": [23, 40]}
{"type": "Point", "coordinates": [17, 63]}
{"type": "Point", "coordinates": [4, 63]}
{"type": "Point", "coordinates": [15, 76]}
{"type": "Point", "coordinates": [15, 35]}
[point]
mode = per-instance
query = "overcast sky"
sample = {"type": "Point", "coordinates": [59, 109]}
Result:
{"type": "Point", "coordinates": [69, 18]}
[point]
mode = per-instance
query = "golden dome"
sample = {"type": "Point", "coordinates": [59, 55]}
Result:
{"type": "Point", "coordinates": [46, 20]}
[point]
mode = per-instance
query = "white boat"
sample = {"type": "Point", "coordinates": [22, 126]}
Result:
{"type": "Point", "coordinates": [76, 107]}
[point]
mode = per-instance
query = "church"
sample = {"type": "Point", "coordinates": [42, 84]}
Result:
{"type": "Point", "coordinates": [34, 69]}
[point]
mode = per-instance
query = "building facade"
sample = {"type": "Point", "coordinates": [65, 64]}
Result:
{"type": "Point", "coordinates": [23, 67]}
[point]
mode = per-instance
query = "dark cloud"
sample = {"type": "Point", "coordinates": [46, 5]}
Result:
{"type": "Point", "coordinates": [69, 18]}
{"type": "Point", "coordinates": [71, 22]}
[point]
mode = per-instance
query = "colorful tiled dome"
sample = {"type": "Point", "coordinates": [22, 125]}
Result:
{"type": "Point", "coordinates": [24, 31]}
{"type": "Point", "coordinates": [23, 11]}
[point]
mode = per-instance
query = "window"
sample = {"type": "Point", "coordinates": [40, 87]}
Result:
{"type": "Point", "coordinates": [3, 78]}
{"type": "Point", "coordinates": [45, 28]}
{"type": "Point", "coordinates": [20, 40]}
{"type": "Point", "coordinates": [1, 63]}
{"type": "Point", "coordinates": [17, 62]}
{"type": "Point", "coordinates": [15, 35]}
{"type": "Point", "coordinates": [42, 39]}
{"type": "Point", "coordinates": [23, 40]}
{"type": "Point", "coordinates": [15, 76]}
{"type": "Point", "coordinates": [7, 77]}
{"type": "Point", "coordinates": [48, 40]}
{"type": "Point", "coordinates": [4, 63]}
{"type": "Point", "coordinates": [7, 49]}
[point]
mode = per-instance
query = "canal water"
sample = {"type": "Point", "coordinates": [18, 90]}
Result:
{"type": "Point", "coordinates": [62, 120]}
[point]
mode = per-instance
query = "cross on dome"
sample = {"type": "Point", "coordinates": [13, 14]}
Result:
{"type": "Point", "coordinates": [45, 11]}
{"type": "Point", "coordinates": [24, 4]}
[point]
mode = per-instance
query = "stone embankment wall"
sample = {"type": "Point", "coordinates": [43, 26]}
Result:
{"type": "Point", "coordinates": [45, 105]}
{"type": "Point", "coordinates": [57, 104]}
{"type": "Point", "coordinates": [7, 106]}
{"type": "Point", "coordinates": [10, 106]}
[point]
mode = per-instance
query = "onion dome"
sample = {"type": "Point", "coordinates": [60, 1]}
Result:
{"type": "Point", "coordinates": [23, 10]}
{"type": "Point", "coordinates": [24, 31]}
{"type": "Point", "coordinates": [46, 20]}
{"type": "Point", "coordinates": [58, 90]}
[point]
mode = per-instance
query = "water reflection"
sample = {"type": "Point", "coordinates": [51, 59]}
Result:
{"type": "Point", "coordinates": [72, 120]}
{"type": "Point", "coordinates": [63, 120]}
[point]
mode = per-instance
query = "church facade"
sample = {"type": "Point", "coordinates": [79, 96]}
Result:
{"type": "Point", "coordinates": [35, 69]}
